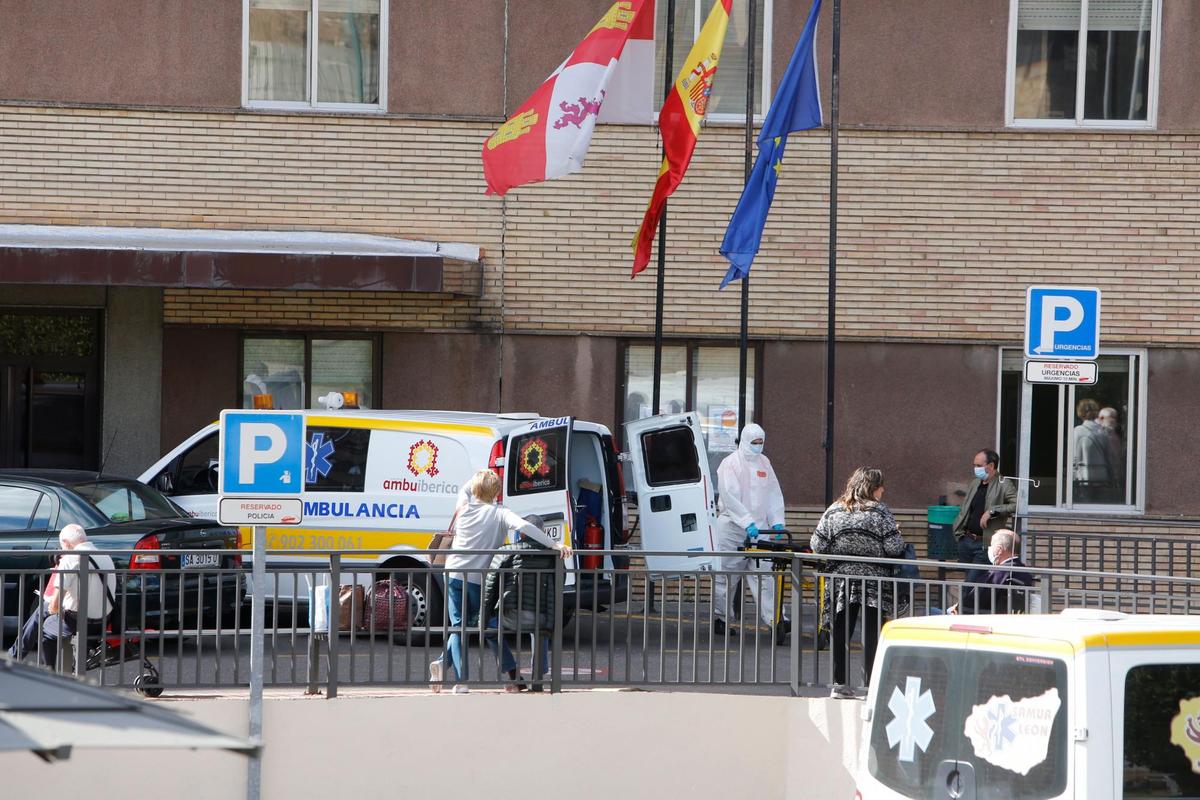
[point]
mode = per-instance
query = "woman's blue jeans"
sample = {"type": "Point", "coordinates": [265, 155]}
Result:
{"type": "Point", "coordinates": [463, 601]}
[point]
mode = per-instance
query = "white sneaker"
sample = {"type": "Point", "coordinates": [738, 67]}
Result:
{"type": "Point", "coordinates": [435, 676]}
{"type": "Point", "coordinates": [461, 688]}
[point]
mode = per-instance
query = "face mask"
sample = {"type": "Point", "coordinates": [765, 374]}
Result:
{"type": "Point", "coordinates": [756, 449]}
{"type": "Point", "coordinates": [993, 554]}
{"type": "Point", "coordinates": [981, 472]}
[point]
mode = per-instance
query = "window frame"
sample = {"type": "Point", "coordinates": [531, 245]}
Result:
{"type": "Point", "coordinates": [1078, 122]}
{"type": "Point", "coordinates": [313, 105]}
{"type": "Point", "coordinates": [307, 337]}
{"type": "Point", "coordinates": [755, 356]}
{"type": "Point", "coordinates": [1138, 385]}
{"type": "Point", "coordinates": [767, 9]}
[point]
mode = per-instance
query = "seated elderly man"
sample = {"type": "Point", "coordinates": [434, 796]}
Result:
{"type": "Point", "coordinates": [57, 615]}
{"type": "Point", "coordinates": [1002, 591]}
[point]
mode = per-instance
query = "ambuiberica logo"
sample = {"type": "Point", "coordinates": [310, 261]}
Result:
{"type": "Point", "coordinates": [422, 458]}
{"type": "Point", "coordinates": [422, 463]}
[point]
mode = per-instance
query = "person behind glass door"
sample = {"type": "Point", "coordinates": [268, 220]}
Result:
{"type": "Point", "coordinates": [1114, 449]}
{"type": "Point", "coordinates": [1091, 468]}
{"type": "Point", "coordinates": [991, 499]}
{"type": "Point", "coordinates": [749, 500]}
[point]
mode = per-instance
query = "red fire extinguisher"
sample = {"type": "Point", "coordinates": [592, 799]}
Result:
{"type": "Point", "coordinates": [593, 539]}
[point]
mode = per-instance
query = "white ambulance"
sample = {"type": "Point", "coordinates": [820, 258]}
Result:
{"type": "Point", "coordinates": [1083, 704]}
{"type": "Point", "coordinates": [384, 482]}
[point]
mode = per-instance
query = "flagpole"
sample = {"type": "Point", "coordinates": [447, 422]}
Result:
{"type": "Point", "coordinates": [743, 340]}
{"type": "Point", "coordinates": [668, 84]}
{"type": "Point", "coordinates": [830, 333]}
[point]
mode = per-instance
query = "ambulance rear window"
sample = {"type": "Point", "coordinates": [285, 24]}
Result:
{"type": "Point", "coordinates": [998, 718]}
{"type": "Point", "coordinates": [1162, 731]}
{"type": "Point", "coordinates": [670, 456]}
{"type": "Point", "coordinates": [540, 461]}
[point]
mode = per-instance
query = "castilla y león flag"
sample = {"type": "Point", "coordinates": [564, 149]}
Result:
{"type": "Point", "coordinates": [548, 136]}
{"type": "Point", "coordinates": [679, 122]}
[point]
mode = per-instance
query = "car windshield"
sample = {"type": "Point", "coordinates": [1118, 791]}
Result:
{"type": "Point", "coordinates": [127, 501]}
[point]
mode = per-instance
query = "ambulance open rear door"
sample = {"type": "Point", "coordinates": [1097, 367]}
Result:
{"type": "Point", "coordinates": [536, 478]}
{"type": "Point", "coordinates": [675, 495]}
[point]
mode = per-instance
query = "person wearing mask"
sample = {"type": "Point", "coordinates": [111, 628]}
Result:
{"type": "Point", "coordinates": [749, 502]}
{"type": "Point", "coordinates": [479, 524]}
{"type": "Point", "coordinates": [991, 499]}
{"type": "Point", "coordinates": [858, 524]}
{"type": "Point", "coordinates": [58, 615]}
{"type": "Point", "coordinates": [1002, 591]}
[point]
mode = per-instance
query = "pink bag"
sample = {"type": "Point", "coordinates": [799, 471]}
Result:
{"type": "Point", "coordinates": [387, 606]}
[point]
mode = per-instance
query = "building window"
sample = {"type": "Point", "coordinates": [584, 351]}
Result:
{"type": "Point", "coordinates": [328, 54]}
{"type": "Point", "coordinates": [1087, 442]}
{"type": "Point", "coordinates": [1109, 81]}
{"type": "Point", "coordinates": [295, 371]}
{"type": "Point", "coordinates": [728, 99]}
{"type": "Point", "coordinates": [701, 378]}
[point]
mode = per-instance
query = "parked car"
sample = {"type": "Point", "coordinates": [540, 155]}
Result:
{"type": "Point", "coordinates": [159, 591]}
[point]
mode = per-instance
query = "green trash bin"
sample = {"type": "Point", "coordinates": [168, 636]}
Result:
{"type": "Point", "coordinates": [942, 544]}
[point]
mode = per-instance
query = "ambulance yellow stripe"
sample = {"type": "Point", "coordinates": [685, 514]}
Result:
{"type": "Point", "coordinates": [397, 425]}
{"type": "Point", "coordinates": [376, 543]}
{"type": "Point", "coordinates": [990, 641]}
{"type": "Point", "coordinates": [1142, 639]}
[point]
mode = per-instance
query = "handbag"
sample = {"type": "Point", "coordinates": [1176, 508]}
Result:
{"type": "Point", "coordinates": [387, 606]}
{"type": "Point", "coordinates": [351, 600]}
{"type": "Point", "coordinates": [442, 541]}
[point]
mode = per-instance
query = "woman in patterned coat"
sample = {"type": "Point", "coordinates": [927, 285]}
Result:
{"type": "Point", "coordinates": [858, 524]}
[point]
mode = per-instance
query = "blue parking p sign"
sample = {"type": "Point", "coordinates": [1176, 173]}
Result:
{"type": "Point", "coordinates": [262, 453]}
{"type": "Point", "coordinates": [1062, 323]}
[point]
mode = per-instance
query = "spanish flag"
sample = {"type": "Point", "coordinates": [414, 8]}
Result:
{"type": "Point", "coordinates": [679, 122]}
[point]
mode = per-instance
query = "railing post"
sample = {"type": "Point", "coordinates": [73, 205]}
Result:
{"type": "Point", "coordinates": [797, 623]}
{"type": "Point", "coordinates": [81, 617]}
{"type": "Point", "coordinates": [560, 574]}
{"type": "Point", "coordinates": [335, 580]}
{"type": "Point", "coordinates": [1044, 591]}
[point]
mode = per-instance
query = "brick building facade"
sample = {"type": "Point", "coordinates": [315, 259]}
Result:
{"type": "Point", "coordinates": [948, 210]}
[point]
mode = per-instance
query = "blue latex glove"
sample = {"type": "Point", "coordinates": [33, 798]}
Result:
{"type": "Point", "coordinates": [752, 531]}
{"type": "Point", "coordinates": [778, 526]}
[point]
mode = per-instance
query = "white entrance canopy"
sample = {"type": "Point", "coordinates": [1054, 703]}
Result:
{"type": "Point", "coordinates": [235, 259]}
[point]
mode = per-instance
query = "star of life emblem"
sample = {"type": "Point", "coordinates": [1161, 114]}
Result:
{"type": "Point", "coordinates": [909, 728]}
{"type": "Point", "coordinates": [319, 451]}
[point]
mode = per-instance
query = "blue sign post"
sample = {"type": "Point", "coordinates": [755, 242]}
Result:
{"type": "Point", "coordinates": [1062, 323]}
{"type": "Point", "coordinates": [260, 480]}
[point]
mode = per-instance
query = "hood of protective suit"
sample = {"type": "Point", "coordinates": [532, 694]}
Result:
{"type": "Point", "coordinates": [749, 490]}
{"type": "Point", "coordinates": [749, 434]}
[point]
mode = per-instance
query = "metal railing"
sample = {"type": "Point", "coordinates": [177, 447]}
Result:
{"type": "Point", "coordinates": [1149, 554]}
{"type": "Point", "coordinates": [565, 626]}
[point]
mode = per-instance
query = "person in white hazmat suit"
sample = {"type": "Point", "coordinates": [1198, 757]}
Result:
{"type": "Point", "coordinates": [749, 501]}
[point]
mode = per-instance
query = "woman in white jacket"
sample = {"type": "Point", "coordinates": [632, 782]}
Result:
{"type": "Point", "coordinates": [479, 524]}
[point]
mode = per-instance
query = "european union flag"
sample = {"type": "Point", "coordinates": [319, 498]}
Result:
{"type": "Point", "coordinates": [796, 107]}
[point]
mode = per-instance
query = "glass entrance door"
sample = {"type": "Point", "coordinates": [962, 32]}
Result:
{"type": "Point", "coordinates": [50, 374]}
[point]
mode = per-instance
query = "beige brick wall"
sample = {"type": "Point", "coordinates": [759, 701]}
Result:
{"type": "Point", "coordinates": [939, 231]}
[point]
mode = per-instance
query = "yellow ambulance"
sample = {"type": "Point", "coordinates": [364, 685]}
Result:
{"type": "Point", "coordinates": [1083, 704]}
{"type": "Point", "coordinates": [379, 484]}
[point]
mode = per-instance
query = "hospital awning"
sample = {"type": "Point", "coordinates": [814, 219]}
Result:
{"type": "Point", "coordinates": [49, 715]}
{"type": "Point", "coordinates": [235, 259]}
